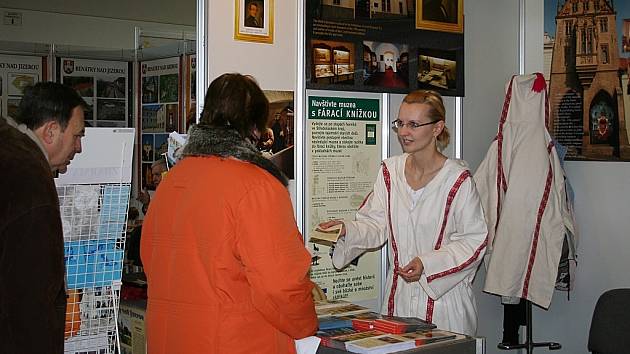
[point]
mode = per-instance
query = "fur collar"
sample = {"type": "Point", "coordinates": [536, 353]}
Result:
{"type": "Point", "coordinates": [204, 140]}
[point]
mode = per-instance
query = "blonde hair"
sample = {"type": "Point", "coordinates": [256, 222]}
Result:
{"type": "Point", "coordinates": [436, 113]}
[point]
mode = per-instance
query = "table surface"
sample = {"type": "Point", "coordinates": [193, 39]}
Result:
{"type": "Point", "coordinates": [465, 345]}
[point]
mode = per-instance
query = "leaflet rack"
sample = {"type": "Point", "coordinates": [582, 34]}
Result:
{"type": "Point", "coordinates": [94, 220]}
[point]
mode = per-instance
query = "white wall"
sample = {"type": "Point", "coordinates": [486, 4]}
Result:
{"type": "Point", "coordinates": [491, 58]}
{"type": "Point", "coordinates": [79, 30]}
{"type": "Point", "coordinates": [273, 65]}
{"type": "Point", "coordinates": [181, 12]}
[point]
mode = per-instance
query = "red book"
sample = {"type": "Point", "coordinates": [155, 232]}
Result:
{"type": "Point", "coordinates": [397, 325]}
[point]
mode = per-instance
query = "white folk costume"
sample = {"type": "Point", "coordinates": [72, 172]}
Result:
{"type": "Point", "coordinates": [522, 189]}
{"type": "Point", "coordinates": [445, 228]}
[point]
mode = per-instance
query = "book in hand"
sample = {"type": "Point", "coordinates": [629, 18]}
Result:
{"type": "Point", "coordinates": [386, 343]}
{"type": "Point", "coordinates": [429, 336]}
{"type": "Point", "coordinates": [397, 324]}
{"type": "Point", "coordinates": [327, 236]}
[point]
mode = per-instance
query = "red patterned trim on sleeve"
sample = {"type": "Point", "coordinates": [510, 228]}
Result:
{"type": "Point", "coordinates": [449, 201]}
{"type": "Point", "coordinates": [429, 312]}
{"type": "Point", "coordinates": [365, 199]}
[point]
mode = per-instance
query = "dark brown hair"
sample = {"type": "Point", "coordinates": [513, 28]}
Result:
{"type": "Point", "coordinates": [436, 113]}
{"type": "Point", "coordinates": [48, 101]}
{"type": "Point", "coordinates": [235, 101]}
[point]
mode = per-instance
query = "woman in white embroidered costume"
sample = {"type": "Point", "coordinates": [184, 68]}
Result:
{"type": "Point", "coordinates": [426, 207]}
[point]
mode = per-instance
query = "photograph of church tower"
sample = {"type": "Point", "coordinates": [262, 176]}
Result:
{"type": "Point", "coordinates": [588, 79]}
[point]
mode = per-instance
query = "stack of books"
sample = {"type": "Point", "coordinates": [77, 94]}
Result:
{"type": "Point", "coordinates": [337, 313]}
{"type": "Point", "coordinates": [341, 341]}
{"type": "Point", "coordinates": [423, 337]}
{"type": "Point", "coordinates": [351, 327]}
{"type": "Point", "coordinates": [397, 325]}
{"type": "Point", "coordinates": [388, 343]}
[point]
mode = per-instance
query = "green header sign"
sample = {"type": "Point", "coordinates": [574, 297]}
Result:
{"type": "Point", "coordinates": [343, 108]}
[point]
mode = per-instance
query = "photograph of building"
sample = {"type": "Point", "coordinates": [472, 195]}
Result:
{"type": "Point", "coordinates": [587, 109]}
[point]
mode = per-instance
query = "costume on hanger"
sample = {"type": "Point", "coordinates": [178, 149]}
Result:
{"type": "Point", "coordinates": [522, 189]}
{"type": "Point", "coordinates": [445, 228]}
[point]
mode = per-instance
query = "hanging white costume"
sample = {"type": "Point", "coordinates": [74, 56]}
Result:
{"type": "Point", "coordinates": [445, 228]}
{"type": "Point", "coordinates": [522, 189]}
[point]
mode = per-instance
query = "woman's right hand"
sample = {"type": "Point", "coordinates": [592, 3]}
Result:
{"type": "Point", "coordinates": [328, 224]}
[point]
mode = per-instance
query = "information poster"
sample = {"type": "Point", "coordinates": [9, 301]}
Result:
{"type": "Point", "coordinates": [343, 148]}
{"type": "Point", "coordinates": [16, 72]}
{"type": "Point", "coordinates": [160, 111]}
{"type": "Point", "coordinates": [586, 60]}
{"type": "Point", "coordinates": [104, 86]}
{"type": "Point", "coordinates": [385, 46]}
{"type": "Point", "coordinates": [191, 88]}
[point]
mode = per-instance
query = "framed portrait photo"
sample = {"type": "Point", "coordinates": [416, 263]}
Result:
{"type": "Point", "coordinates": [440, 15]}
{"type": "Point", "coordinates": [253, 21]}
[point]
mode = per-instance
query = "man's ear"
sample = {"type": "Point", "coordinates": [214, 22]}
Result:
{"type": "Point", "coordinates": [49, 132]}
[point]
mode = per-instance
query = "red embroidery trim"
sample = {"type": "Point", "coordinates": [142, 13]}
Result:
{"type": "Point", "coordinates": [541, 211]}
{"type": "Point", "coordinates": [501, 180]}
{"type": "Point", "coordinates": [461, 266]}
{"type": "Point", "coordinates": [365, 200]}
{"type": "Point", "coordinates": [392, 293]}
{"type": "Point", "coordinates": [449, 200]}
{"type": "Point", "coordinates": [430, 305]}
{"type": "Point", "coordinates": [451, 195]}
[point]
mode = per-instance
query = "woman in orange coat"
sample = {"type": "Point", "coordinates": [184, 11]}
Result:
{"type": "Point", "coordinates": [226, 266]}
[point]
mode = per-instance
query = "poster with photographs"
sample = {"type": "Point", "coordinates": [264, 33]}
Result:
{"type": "Point", "coordinates": [343, 149]}
{"type": "Point", "coordinates": [104, 85]}
{"type": "Point", "coordinates": [586, 62]}
{"type": "Point", "coordinates": [160, 86]}
{"type": "Point", "coordinates": [375, 46]}
{"type": "Point", "coordinates": [191, 98]}
{"type": "Point", "coordinates": [160, 112]}
{"type": "Point", "coordinates": [16, 72]}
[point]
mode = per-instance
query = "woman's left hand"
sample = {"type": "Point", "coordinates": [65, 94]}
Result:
{"type": "Point", "coordinates": [412, 271]}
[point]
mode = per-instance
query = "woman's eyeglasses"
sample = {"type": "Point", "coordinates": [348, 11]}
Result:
{"type": "Point", "coordinates": [397, 124]}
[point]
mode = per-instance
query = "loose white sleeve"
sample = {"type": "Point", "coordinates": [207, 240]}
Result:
{"type": "Point", "coordinates": [463, 245]}
{"type": "Point", "coordinates": [368, 230]}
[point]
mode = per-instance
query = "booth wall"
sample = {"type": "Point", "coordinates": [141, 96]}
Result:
{"type": "Point", "coordinates": [80, 30]}
{"type": "Point", "coordinates": [602, 192]}
{"type": "Point", "coordinates": [273, 65]}
{"type": "Point", "coordinates": [601, 188]}
{"type": "Point", "coordinates": [491, 58]}
{"type": "Point", "coordinates": [182, 12]}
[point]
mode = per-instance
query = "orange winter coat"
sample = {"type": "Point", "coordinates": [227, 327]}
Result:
{"type": "Point", "coordinates": [226, 266]}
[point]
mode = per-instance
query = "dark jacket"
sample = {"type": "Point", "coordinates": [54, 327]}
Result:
{"type": "Point", "coordinates": [32, 293]}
